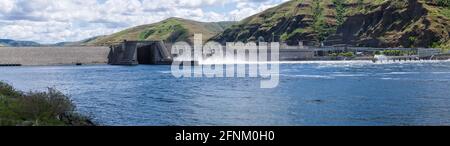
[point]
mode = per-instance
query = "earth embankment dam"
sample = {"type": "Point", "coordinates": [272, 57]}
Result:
{"type": "Point", "coordinates": [53, 55]}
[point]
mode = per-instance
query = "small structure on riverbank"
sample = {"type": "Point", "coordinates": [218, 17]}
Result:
{"type": "Point", "coordinates": [421, 54]}
{"type": "Point", "coordinates": [367, 53]}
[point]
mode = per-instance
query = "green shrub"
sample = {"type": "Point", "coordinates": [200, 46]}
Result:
{"type": "Point", "coordinates": [51, 108]}
{"type": "Point", "coordinates": [284, 37]}
{"type": "Point", "coordinates": [144, 35]}
{"type": "Point", "coordinates": [412, 40]}
{"type": "Point", "coordinates": [8, 90]}
{"type": "Point", "coordinates": [347, 54]}
{"type": "Point", "coordinates": [443, 3]}
{"type": "Point", "coordinates": [179, 33]}
{"type": "Point", "coordinates": [44, 105]}
{"type": "Point", "coordinates": [400, 4]}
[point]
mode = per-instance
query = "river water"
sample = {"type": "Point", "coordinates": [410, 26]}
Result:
{"type": "Point", "coordinates": [309, 93]}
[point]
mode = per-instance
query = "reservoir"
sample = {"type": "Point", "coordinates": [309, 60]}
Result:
{"type": "Point", "coordinates": [309, 93]}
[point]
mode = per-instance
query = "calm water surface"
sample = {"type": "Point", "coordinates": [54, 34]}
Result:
{"type": "Point", "coordinates": [314, 93]}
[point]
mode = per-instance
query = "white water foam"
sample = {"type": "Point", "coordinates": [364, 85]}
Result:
{"type": "Point", "coordinates": [232, 60]}
{"type": "Point", "coordinates": [401, 73]}
{"type": "Point", "coordinates": [309, 76]}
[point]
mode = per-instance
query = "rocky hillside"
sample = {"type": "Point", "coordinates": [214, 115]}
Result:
{"type": "Point", "coordinates": [374, 23]}
{"type": "Point", "coordinates": [411, 23]}
{"type": "Point", "coordinates": [170, 30]}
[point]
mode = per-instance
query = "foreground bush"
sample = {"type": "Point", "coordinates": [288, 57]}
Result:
{"type": "Point", "coordinates": [51, 108]}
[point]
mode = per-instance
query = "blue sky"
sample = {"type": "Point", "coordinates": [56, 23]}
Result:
{"type": "Point", "coordinates": [50, 21]}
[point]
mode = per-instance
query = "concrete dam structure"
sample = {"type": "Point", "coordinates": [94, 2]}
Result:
{"type": "Point", "coordinates": [156, 53]}
{"type": "Point", "coordinates": [140, 52]}
{"type": "Point", "coordinates": [15, 56]}
{"type": "Point", "coordinates": [127, 53]}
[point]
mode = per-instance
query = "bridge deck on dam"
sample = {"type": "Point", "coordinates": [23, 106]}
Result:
{"type": "Point", "coordinates": [53, 55]}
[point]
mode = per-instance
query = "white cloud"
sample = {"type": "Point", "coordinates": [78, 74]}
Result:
{"type": "Point", "coordinates": [50, 21]}
{"type": "Point", "coordinates": [6, 6]}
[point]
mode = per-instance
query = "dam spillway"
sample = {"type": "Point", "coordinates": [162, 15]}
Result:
{"type": "Point", "coordinates": [140, 52]}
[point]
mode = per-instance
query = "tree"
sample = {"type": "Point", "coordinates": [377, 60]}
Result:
{"type": "Point", "coordinates": [320, 27]}
{"type": "Point", "coordinates": [317, 9]}
{"type": "Point", "coordinates": [360, 4]}
{"type": "Point", "coordinates": [340, 11]}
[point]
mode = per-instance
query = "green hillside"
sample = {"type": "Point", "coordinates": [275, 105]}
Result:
{"type": "Point", "coordinates": [170, 30]}
{"type": "Point", "coordinates": [376, 23]}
